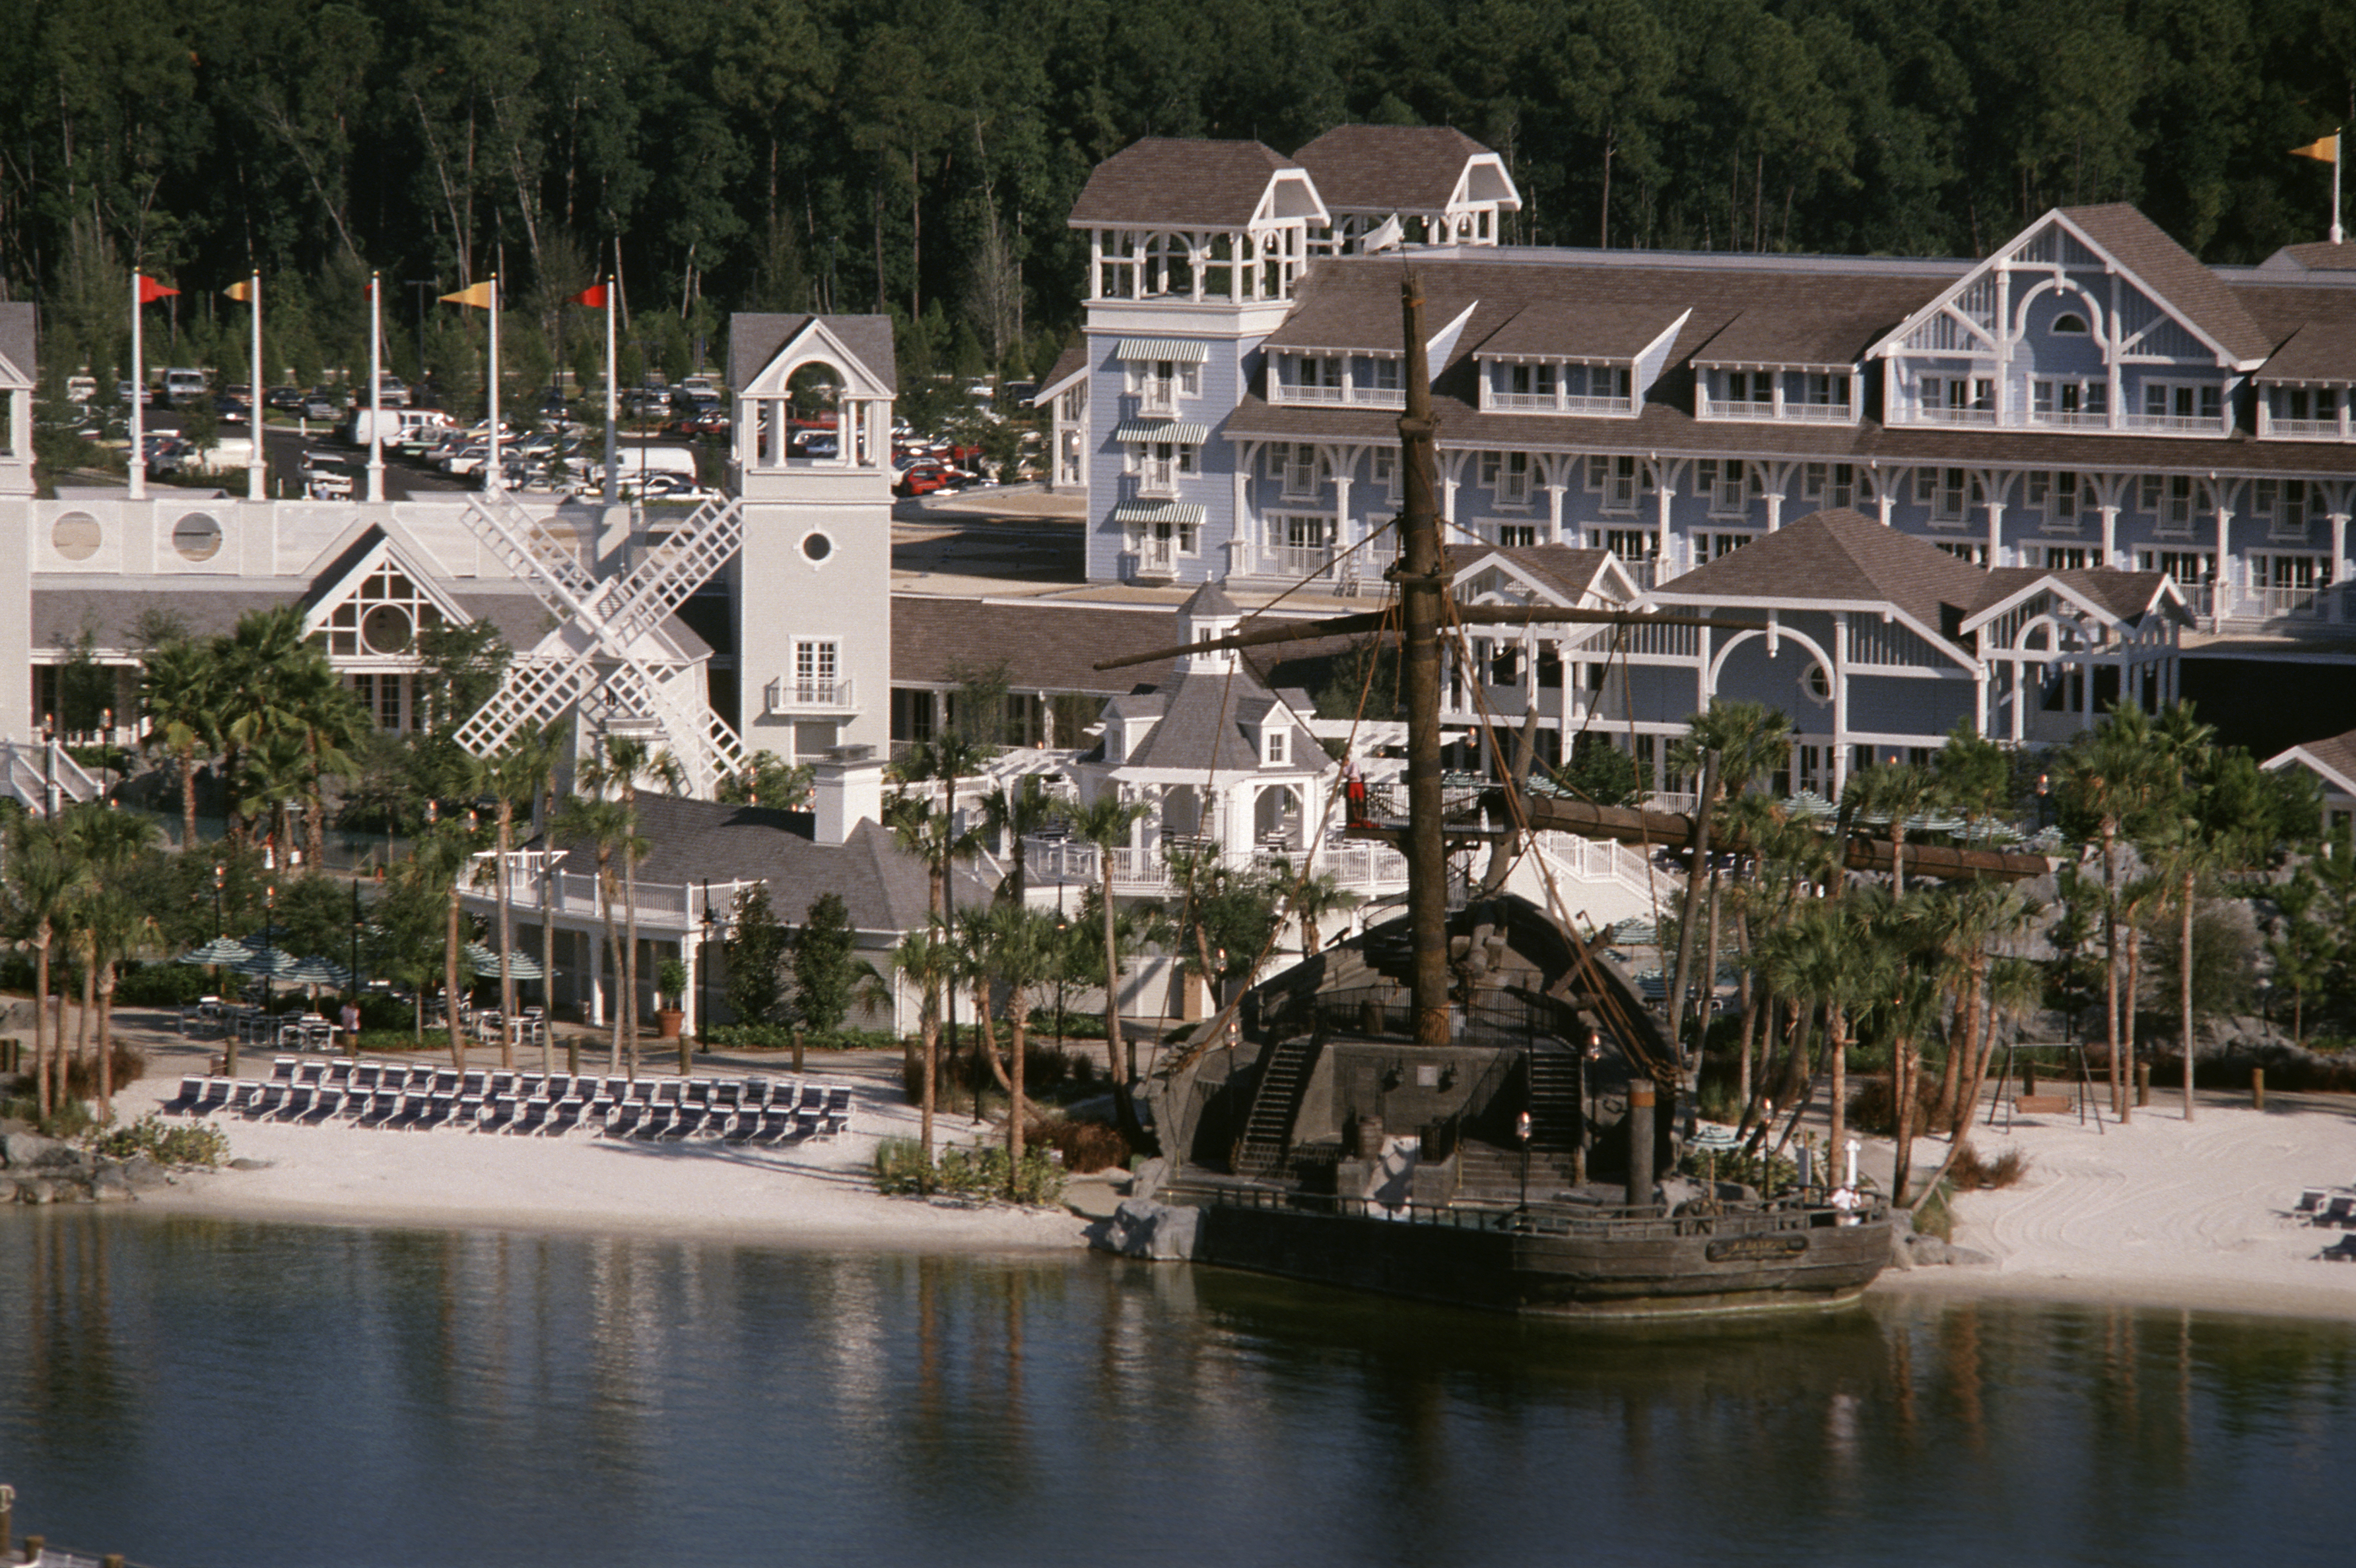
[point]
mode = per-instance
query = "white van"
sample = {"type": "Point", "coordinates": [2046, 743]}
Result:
{"type": "Point", "coordinates": [634, 461]}
{"type": "Point", "coordinates": [183, 386]}
{"type": "Point", "coordinates": [397, 423]}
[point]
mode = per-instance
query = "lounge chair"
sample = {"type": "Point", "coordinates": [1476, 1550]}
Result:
{"type": "Point", "coordinates": [191, 1095]}
{"type": "Point", "coordinates": [531, 1085]}
{"type": "Point", "coordinates": [365, 1075]}
{"type": "Point", "coordinates": [406, 1110]}
{"type": "Point", "coordinates": [529, 1116]}
{"type": "Point", "coordinates": [283, 1069]}
{"type": "Point", "coordinates": [469, 1108]}
{"type": "Point", "coordinates": [215, 1096]}
{"type": "Point", "coordinates": [297, 1101]}
{"type": "Point", "coordinates": [777, 1124]}
{"type": "Point", "coordinates": [496, 1114]}
{"type": "Point", "coordinates": [622, 1119]}
{"type": "Point", "coordinates": [325, 1104]}
{"type": "Point", "coordinates": [656, 1122]}
{"type": "Point", "coordinates": [838, 1109]}
{"type": "Point", "coordinates": [445, 1081]}
{"type": "Point", "coordinates": [440, 1108]}
{"type": "Point", "coordinates": [564, 1116]}
{"type": "Point", "coordinates": [559, 1086]}
{"type": "Point", "coordinates": [311, 1073]}
{"type": "Point", "coordinates": [503, 1081]}
{"type": "Point", "coordinates": [267, 1097]}
{"type": "Point", "coordinates": [685, 1123]}
{"type": "Point", "coordinates": [741, 1130]}
{"type": "Point", "coordinates": [2342, 1250]}
{"type": "Point", "coordinates": [477, 1083]}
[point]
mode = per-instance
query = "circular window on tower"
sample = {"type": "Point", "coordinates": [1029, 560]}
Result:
{"type": "Point", "coordinates": [198, 536]}
{"type": "Point", "coordinates": [817, 547]}
{"type": "Point", "coordinates": [75, 535]}
{"type": "Point", "coordinates": [1820, 684]}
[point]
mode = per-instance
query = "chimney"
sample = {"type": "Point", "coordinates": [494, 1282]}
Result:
{"type": "Point", "coordinates": [849, 787]}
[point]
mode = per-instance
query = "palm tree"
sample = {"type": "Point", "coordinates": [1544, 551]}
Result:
{"type": "Point", "coordinates": [2113, 772]}
{"type": "Point", "coordinates": [1016, 948]}
{"type": "Point", "coordinates": [622, 761]}
{"type": "Point", "coordinates": [1314, 898]}
{"type": "Point", "coordinates": [925, 960]}
{"type": "Point", "coordinates": [1890, 792]}
{"type": "Point", "coordinates": [108, 921]}
{"type": "Point", "coordinates": [517, 769]}
{"type": "Point", "coordinates": [605, 824]}
{"type": "Point", "coordinates": [45, 875]}
{"type": "Point", "coordinates": [1105, 822]}
{"type": "Point", "coordinates": [1015, 812]}
{"type": "Point", "coordinates": [180, 687]}
{"type": "Point", "coordinates": [439, 863]}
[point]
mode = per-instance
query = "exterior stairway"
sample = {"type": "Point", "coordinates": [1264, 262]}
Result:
{"type": "Point", "coordinates": [1554, 1103]}
{"type": "Point", "coordinates": [1268, 1131]}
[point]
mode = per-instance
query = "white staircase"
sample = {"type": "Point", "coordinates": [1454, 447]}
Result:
{"type": "Point", "coordinates": [31, 764]}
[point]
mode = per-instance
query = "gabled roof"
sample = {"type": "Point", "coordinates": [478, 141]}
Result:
{"type": "Point", "coordinates": [1044, 646]}
{"type": "Point", "coordinates": [359, 559]}
{"type": "Point", "coordinates": [1394, 169]}
{"type": "Point", "coordinates": [754, 341]}
{"type": "Point", "coordinates": [2333, 758]}
{"type": "Point", "coordinates": [2174, 275]}
{"type": "Point", "coordinates": [1837, 558]}
{"type": "Point", "coordinates": [2122, 598]}
{"type": "Point", "coordinates": [1828, 338]}
{"type": "Point", "coordinates": [1559, 571]}
{"type": "Point", "coordinates": [1186, 183]}
{"type": "Point", "coordinates": [2317, 256]}
{"type": "Point", "coordinates": [20, 325]}
{"type": "Point", "coordinates": [2318, 351]}
{"type": "Point", "coordinates": [1071, 365]}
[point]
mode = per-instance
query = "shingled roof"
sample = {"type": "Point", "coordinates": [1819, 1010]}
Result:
{"type": "Point", "coordinates": [1044, 646]}
{"type": "Point", "coordinates": [1169, 179]}
{"type": "Point", "coordinates": [2318, 351]}
{"type": "Point", "coordinates": [2174, 275]}
{"type": "Point", "coordinates": [1567, 569]}
{"type": "Point", "coordinates": [1388, 168]}
{"type": "Point", "coordinates": [2316, 256]}
{"type": "Point", "coordinates": [2334, 755]}
{"type": "Point", "coordinates": [19, 337]}
{"type": "Point", "coordinates": [755, 338]}
{"type": "Point", "coordinates": [1837, 557]}
{"type": "Point", "coordinates": [1203, 715]}
{"type": "Point", "coordinates": [884, 888]}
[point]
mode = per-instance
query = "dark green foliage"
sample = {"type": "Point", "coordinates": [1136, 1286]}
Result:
{"type": "Point", "coordinates": [161, 985]}
{"type": "Point", "coordinates": [977, 1175]}
{"type": "Point", "coordinates": [824, 969]}
{"type": "Point", "coordinates": [1601, 773]}
{"type": "Point", "coordinates": [755, 948]}
{"type": "Point", "coordinates": [921, 161]}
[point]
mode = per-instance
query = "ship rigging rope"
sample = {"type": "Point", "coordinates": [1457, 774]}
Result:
{"type": "Point", "coordinates": [1219, 1022]}
{"type": "Point", "coordinates": [1606, 1002]}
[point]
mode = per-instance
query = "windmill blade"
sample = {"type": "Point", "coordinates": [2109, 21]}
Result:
{"type": "Point", "coordinates": [1380, 620]}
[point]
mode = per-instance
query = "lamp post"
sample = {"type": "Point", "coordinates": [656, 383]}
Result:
{"type": "Point", "coordinates": [218, 871]}
{"type": "Point", "coordinates": [352, 980]}
{"type": "Point", "coordinates": [269, 941]}
{"type": "Point", "coordinates": [1521, 1137]}
{"type": "Point", "coordinates": [1063, 930]}
{"type": "Point", "coordinates": [703, 968]}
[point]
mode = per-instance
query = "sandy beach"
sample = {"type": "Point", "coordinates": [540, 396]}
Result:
{"type": "Point", "coordinates": [2153, 1213]}
{"type": "Point", "coordinates": [814, 1193]}
{"type": "Point", "coordinates": [2159, 1213]}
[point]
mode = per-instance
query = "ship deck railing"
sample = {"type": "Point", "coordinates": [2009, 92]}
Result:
{"type": "Point", "coordinates": [1797, 1211]}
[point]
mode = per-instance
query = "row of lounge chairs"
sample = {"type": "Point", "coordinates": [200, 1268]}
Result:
{"type": "Point", "coordinates": [415, 1097]}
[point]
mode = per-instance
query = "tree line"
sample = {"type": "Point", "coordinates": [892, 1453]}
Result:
{"type": "Point", "coordinates": [918, 157]}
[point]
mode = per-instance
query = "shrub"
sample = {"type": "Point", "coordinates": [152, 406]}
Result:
{"type": "Point", "coordinates": [1084, 1146]}
{"type": "Point", "coordinates": [780, 1037]}
{"type": "Point", "coordinates": [194, 1144]}
{"type": "Point", "coordinates": [70, 1120]}
{"type": "Point", "coordinates": [1873, 1105]}
{"type": "Point", "coordinates": [1765, 1171]}
{"type": "Point", "coordinates": [1970, 1173]}
{"type": "Point", "coordinates": [82, 1075]}
{"type": "Point", "coordinates": [974, 1173]}
{"type": "Point", "coordinates": [161, 984]}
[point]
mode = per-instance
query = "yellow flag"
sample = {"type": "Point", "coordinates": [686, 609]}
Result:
{"type": "Point", "coordinates": [241, 292]}
{"type": "Point", "coordinates": [2326, 150]}
{"type": "Point", "coordinates": [479, 295]}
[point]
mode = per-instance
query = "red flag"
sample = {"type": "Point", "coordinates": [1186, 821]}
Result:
{"type": "Point", "coordinates": [593, 297]}
{"type": "Point", "coordinates": [150, 290]}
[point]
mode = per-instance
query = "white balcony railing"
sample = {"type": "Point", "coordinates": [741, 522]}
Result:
{"type": "Point", "coordinates": [661, 906]}
{"type": "Point", "coordinates": [795, 696]}
{"type": "Point", "coordinates": [1380, 397]}
{"type": "Point", "coordinates": [1521, 402]}
{"type": "Point", "coordinates": [1598, 405]}
{"type": "Point", "coordinates": [2305, 430]}
{"type": "Point", "coordinates": [1159, 399]}
{"type": "Point", "coordinates": [1301, 560]}
{"type": "Point", "coordinates": [1955, 416]}
{"type": "Point", "coordinates": [2177, 425]}
{"type": "Point", "coordinates": [1155, 557]}
{"type": "Point", "coordinates": [2050, 418]}
{"type": "Point", "coordinates": [1820, 413]}
{"type": "Point", "coordinates": [2273, 603]}
{"type": "Point", "coordinates": [1309, 392]}
{"type": "Point", "coordinates": [1157, 478]}
{"type": "Point", "coordinates": [1359, 868]}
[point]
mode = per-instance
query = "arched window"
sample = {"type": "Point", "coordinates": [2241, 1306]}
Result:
{"type": "Point", "coordinates": [2069, 321]}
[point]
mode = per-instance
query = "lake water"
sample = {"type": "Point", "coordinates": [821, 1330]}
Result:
{"type": "Point", "coordinates": [198, 1392]}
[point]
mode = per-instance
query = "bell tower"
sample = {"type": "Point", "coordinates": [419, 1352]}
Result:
{"type": "Point", "coordinates": [811, 457]}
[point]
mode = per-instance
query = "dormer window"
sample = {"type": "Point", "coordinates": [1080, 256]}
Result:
{"type": "Point", "coordinates": [1756, 387]}
{"type": "Point", "coordinates": [2070, 322]}
{"type": "Point", "coordinates": [1274, 748]}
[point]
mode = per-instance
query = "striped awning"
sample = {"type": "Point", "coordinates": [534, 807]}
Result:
{"type": "Point", "coordinates": [1146, 350]}
{"type": "Point", "coordinates": [1160, 512]}
{"type": "Point", "coordinates": [1163, 430]}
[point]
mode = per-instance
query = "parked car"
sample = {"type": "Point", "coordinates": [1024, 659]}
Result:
{"type": "Point", "coordinates": [924, 478]}
{"type": "Point", "coordinates": [286, 400]}
{"type": "Point", "coordinates": [318, 403]}
{"type": "Point", "coordinates": [183, 386]}
{"type": "Point", "coordinates": [125, 389]}
{"type": "Point", "coordinates": [80, 388]}
{"type": "Point", "coordinates": [392, 391]}
{"type": "Point", "coordinates": [231, 411]}
{"type": "Point", "coordinates": [165, 453]}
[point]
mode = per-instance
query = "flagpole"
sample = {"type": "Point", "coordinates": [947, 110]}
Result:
{"type": "Point", "coordinates": [257, 475]}
{"type": "Point", "coordinates": [491, 465]}
{"type": "Point", "coordinates": [613, 408]}
{"type": "Point", "coordinates": [376, 387]}
{"type": "Point", "coordinates": [2339, 150]}
{"type": "Point", "coordinates": [138, 404]}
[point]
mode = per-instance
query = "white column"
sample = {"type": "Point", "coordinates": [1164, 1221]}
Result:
{"type": "Point", "coordinates": [2225, 577]}
{"type": "Point", "coordinates": [2111, 536]}
{"type": "Point", "coordinates": [1995, 529]}
{"type": "Point", "coordinates": [1840, 702]}
{"type": "Point", "coordinates": [690, 955]}
{"type": "Point", "coordinates": [257, 464]}
{"type": "Point", "coordinates": [1341, 507]}
{"type": "Point", "coordinates": [596, 945]}
{"type": "Point", "coordinates": [1775, 499]}
{"type": "Point", "coordinates": [1554, 512]}
{"type": "Point", "coordinates": [1665, 495]}
{"type": "Point", "coordinates": [376, 387]}
{"type": "Point", "coordinates": [2339, 547]}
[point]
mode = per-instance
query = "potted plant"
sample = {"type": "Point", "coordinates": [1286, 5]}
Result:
{"type": "Point", "coordinates": [671, 986]}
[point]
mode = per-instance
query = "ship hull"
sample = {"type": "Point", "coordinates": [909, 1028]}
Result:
{"type": "Point", "coordinates": [1721, 1265]}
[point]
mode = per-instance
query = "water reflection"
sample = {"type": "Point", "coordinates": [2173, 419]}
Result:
{"type": "Point", "coordinates": [194, 1391]}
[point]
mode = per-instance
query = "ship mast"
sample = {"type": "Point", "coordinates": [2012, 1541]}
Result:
{"type": "Point", "coordinates": [1421, 577]}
